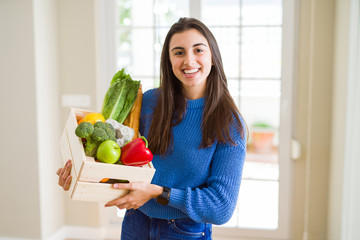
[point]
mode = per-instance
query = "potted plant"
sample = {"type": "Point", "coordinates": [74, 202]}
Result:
{"type": "Point", "coordinates": [262, 135]}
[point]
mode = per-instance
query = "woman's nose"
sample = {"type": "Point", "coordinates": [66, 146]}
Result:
{"type": "Point", "coordinates": [189, 59]}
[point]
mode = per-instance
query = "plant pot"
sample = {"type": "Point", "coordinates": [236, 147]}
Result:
{"type": "Point", "coordinates": [262, 140]}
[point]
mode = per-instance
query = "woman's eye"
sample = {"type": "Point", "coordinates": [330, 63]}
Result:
{"type": "Point", "coordinates": [179, 53]}
{"type": "Point", "coordinates": [199, 50]}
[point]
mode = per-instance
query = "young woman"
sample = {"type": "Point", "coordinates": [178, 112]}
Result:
{"type": "Point", "coordinates": [198, 139]}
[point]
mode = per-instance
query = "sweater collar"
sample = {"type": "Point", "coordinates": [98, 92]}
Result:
{"type": "Point", "coordinates": [197, 103]}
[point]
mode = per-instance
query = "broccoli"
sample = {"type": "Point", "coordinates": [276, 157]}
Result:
{"type": "Point", "coordinates": [103, 132]}
{"type": "Point", "coordinates": [94, 135]}
{"type": "Point", "coordinates": [85, 130]}
{"type": "Point", "coordinates": [110, 130]}
{"type": "Point", "coordinates": [100, 124]}
{"type": "Point", "coordinates": [99, 135]}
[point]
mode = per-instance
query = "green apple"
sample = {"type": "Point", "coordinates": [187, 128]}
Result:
{"type": "Point", "coordinates": [108, 152]}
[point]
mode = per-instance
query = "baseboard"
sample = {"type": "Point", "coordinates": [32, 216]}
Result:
{"type": "Point", "coordinates": [86, 233]}
{"type": "Point", "coordinates": [11, 238]}
{"type": "Point", "coordinates": [104, 233]}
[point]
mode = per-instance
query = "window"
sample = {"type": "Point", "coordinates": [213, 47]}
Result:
{"type": "Point", "coordinates": [256, 42]}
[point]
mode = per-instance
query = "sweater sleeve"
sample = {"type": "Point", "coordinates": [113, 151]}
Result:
{"type": "Point", "coordinates": [215, 202]}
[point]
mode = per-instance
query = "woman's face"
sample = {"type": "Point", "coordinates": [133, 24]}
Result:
{"type": "Point", "coordinates": [190, 58]}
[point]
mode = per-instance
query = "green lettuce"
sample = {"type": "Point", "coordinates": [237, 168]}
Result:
{"type": "Point", "coordinates": [120, 97]}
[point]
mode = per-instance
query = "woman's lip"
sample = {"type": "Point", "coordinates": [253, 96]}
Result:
{"type": "Point", "coordinates": [191, 70]}
{"type": "Point", "coordinates": [191, 75]}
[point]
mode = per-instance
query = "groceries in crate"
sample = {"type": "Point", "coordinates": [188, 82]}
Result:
{"type": "Point", "coordinates": [123, 133]}
{"type": "Point", "coordinates": [117, 123]}
{"type": "Point", "coordinates": [92, 118]}
{"type": "Point", "coordinates": [120, 97]}
{"type": "Point", "coordinates": [94, 134]}
{"type": "Point", "coordinates": [108, 152]}
{"type": "Point", "coordinates": [136, 153]}
{"type": "Point", "coordinates": [110, 144]}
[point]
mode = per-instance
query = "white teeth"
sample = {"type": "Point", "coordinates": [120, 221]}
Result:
{"type": "Point", "coordinates": [191, 71]}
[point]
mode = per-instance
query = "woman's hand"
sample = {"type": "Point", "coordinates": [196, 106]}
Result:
{"type": "Point", "coordinates": [64, 176]}
{"type": "Point", "coordinates": [139, 194]}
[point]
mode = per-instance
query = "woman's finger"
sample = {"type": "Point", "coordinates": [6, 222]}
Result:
{"type": "Point", "coordinates": [118, 201]}
{"type": "Point", "coordinates": [67, 171]}
{"type": "Point", "coordinates": [127, 205]}
{"type": "Point", "coordinates": [58, 171]}
{"type": "Point", "coordinates": [67, 183]}
{"type": "Point", "coordinates": [112, 203]}
{"type": "Point", "coordinates": [61, 182]}
{"type": "Point", "coordinates": [123, 186]}
{"type": "Point", "coordinates": [121, 206]}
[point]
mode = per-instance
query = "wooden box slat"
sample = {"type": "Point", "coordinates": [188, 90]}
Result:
{"type": "Point", "coordinates": [87, 173]}
{"type": "Point", "coordinates": [98, 192]}
{"type": "Point", "coordinates": [75, 142]}
{"type": "Point", "coordinates": [66, 154]}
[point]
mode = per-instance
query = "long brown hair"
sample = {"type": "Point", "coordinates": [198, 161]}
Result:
{"type": "Point", "coordinates": [220, 110]}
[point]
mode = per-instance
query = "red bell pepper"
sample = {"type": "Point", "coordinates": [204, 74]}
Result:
{"type": "Point", "coordinates": [136, 153]}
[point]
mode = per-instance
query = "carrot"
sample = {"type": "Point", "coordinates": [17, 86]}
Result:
{"type": "Point", "coordinates": [133, 120]}
{"type": "Point", "coordinates": [104, 180]}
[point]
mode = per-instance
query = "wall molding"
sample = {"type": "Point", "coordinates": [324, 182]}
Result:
{"type": "Point", "coordinates": [85, 233]}
{"type": "Point", "coordinates": [351, 192]}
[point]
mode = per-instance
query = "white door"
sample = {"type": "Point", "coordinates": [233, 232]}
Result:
{"type": "Point", "coordinates": [256, 40]}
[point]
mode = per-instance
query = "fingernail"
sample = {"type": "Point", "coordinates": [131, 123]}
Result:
{"type": "Point", "coordinates": [115, 185]}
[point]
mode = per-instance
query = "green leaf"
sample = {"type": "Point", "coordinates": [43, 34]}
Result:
{"type": "Point", "coordinates": [120, 97]}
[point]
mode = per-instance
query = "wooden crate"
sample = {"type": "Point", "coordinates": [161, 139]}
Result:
{"type": "Point", "coordinates": [87, 173]}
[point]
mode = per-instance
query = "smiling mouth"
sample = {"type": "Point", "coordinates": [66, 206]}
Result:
{"type": "Point", "coordinates": [191, 71]}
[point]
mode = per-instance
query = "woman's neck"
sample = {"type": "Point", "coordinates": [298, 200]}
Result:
{"type": "Point", "coordinates": [194, 93]}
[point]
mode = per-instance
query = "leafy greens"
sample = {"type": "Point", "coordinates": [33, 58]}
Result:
{"type": "Point", "coordinates": [120, 97]}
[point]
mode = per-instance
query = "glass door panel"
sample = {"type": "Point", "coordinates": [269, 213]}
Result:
{"type": "Point", "coordinates": [249, 34]}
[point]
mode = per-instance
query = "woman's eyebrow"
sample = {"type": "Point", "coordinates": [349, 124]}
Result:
{"type": "Point", "coordinates": [195, 45]}
{"type": "Point", "coordinates": [175, 48]}
{"type": "Point", "coordinates": [198, 44]}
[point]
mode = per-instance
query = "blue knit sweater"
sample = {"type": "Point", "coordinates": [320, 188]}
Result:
{"type": "Point", "coordinates": [204, 182]}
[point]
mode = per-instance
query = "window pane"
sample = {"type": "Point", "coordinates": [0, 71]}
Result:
{"type": "Point", "coordinates": [258, 204]}
{"type": "Point", "coordinates": [124, 12]}
{"type": "Point", "coordinates": [146, 82]}
{"type": "Point", "coordinates": [260, 101]}
{"type": "Point", "coordinates": [228, 40]}
{"type": "Point", "coordinates": [261, 52]}
{"type": "Point", "coordinates": [234, 89]}
{"type": "Point", "coordinates": [136, 50]}
{"type": "Point", "coordinates": [124, 54]}
{"type": "Point", "coordinates": [258, 200]}
{"type": "Point", "coordinates": [167, 12]}
{"type": "Point", "coordinates": [140, 13]}
{"type": "Point", "coordinates": [135, 13]}
{"type": "Point", "coordinates": [261, 12]}
{"type": "Point", "coordinates": [225, 14]}
{"type": "Point", "coordinates": [160, 34]}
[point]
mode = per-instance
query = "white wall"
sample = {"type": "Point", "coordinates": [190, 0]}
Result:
{"type": "Point", "coordinates": [77, 75]}
{"type": "Point", "coordinates": [30, 205]}
{"type": "Point", "coordinates": [312, 117]}
{"type": "Point", "coordinates": [19, 196]}
{"type": "Point", "coordinates": [351, 191]}
{"type": "Point", "coordinates": [341, 51]}
{"type": "Point", "coordinates": [19, 204]}
{"type": "Point", "coordinates": [48, 114]}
